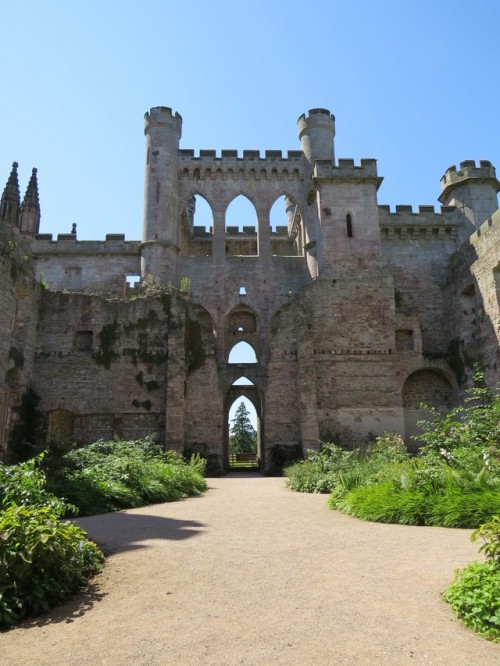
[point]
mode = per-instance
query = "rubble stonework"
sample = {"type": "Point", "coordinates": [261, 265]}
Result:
{"type": "Point", "coordinates": [356, 314]}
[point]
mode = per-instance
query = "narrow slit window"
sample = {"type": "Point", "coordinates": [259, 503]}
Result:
{"type": "Point", "coordinates": [348, 223]}
{"type": "Point", "coordinates": [243, 291]}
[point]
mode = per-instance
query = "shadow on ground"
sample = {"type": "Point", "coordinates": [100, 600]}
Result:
{"type": "Point", "coordinates": [120, 531]}
{"type": "Point", "coordinates": [72, 609]}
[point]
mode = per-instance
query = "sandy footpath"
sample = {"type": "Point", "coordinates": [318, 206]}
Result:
{"type": "Point", "coordinates": [252, 573]}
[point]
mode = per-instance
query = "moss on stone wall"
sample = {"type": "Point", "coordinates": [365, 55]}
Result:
{"type": "Point", "coordinates": [17, 356]}
{"type": "Point", "coordinates": [107, 338]}
{"type": "Point", "coordinates": [193, 345]}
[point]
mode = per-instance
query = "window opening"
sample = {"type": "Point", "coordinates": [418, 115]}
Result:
{"type": "Point", "coordinates": [196, 227]}
{"type": "Point", "coordinates": [241, 227]}
{"type": "Point", "coordinates": [243, 381]}
{"type": "Point", "coordinates": [348, 222]}
{"type": "Point", "coordinates": [242, 353]}
{"type": "Point", "coordinates": [285, 228]}
{"type": "Point", "coordinates": [243, 291]}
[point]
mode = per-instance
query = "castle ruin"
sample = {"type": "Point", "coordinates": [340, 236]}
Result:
{"type": "Point", "coordinates": [357, 314]}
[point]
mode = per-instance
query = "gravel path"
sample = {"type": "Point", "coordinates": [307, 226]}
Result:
{"type": "Point", "coordinates": [252, 573]}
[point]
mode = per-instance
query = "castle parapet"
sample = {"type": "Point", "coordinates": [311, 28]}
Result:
{"type": "Point", "coordinates": [484, 173]}
{"type": "Point", "coordinates": [251, 165]}
{"type": "Point", "coordinates": [162, 115]}
{"type": "Point", "coordinates": [348, 171]}
{"type": "Point", "coordinates": [115, 244]}
{"type": "Point", "coordinates": [426, 224]}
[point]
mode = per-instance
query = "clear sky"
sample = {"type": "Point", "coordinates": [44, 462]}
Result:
{"type": "Point", "coordinates": [413, 84]}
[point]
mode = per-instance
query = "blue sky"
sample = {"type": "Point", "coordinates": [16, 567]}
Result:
{"type": "Point", "coordinates": [413, 84]}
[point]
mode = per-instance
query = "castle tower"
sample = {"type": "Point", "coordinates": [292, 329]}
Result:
{"type": "Point", "coordinates": [29, 219]}
{"type": "Point", "coordinates": [316, 134]}
{"type": "Point", "coordinates": [160, 234]}
{"type": "Point", "coordinates": [9, 204]}
{"type": "Point", "coordinates": [471, 189]}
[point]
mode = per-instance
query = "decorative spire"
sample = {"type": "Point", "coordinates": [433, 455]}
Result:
{"type": "Point", "coordinates": [9, 205]}
{"type": "Point", "coordinates": [30, 208]}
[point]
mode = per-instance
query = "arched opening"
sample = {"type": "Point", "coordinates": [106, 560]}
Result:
{"type": "Point", "coordinates": [196, 227]}
{"type": "Point", "coordinates": [241, 228]}
{"type": "Point", "coordinates": [242, 353]}
{"type": "Point", "coordinates": [428, 387]}
{"type": "Point", "coordinates": [243, 426]}
{"type": "Point", "coordinates": [285, 228]}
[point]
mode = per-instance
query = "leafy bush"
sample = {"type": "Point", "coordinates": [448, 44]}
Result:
{"type": "Point", "coordinates": [474, 595]}
{"type": "Point", "coordinates": [454, 481]}
{"type": "Point", "coordinates": [116, 474]}
{"type": "Point", "coordinates": [42, 561]}
{"type": "Point", "coordinates": [25, 485]}
{"type": "Point", "coordinates": [333, 469]}
{"type": "Point", "coordinates": [490, 534]}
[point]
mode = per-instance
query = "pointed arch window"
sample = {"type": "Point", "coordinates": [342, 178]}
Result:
{"type": "Point", "coordinates": [285, 227]}
{"type": "Point", "coordinates": [241, 227]}
{"type": "Point", "coordinates": [242, 353]}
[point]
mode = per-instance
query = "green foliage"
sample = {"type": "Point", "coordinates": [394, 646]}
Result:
{"type": "Point", "coordinates": [116, 474]}
{"type": "Point", "coordinates": [243, 437]}
{"type": "Point", "coordinates": [474, 595]}
{"type": "Point", "coordinates": [490, 534]}
{"type": "Point", "coordinates": [473, 426]}
{"type": "Point", "coordinates": [25, 485]}
{"type": "Point", "coordinates": [42, 561]}
{"type": "Point", "coordinates": [334, 469]}
{"type": "Point", "coordinates": [454, 481]}
{"type": "Point", "coordinates": [319, 471]}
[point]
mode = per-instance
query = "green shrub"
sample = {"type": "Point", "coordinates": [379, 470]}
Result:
{"type": "Point", "coordinates": [334, 469]}
{"type": "Point", "coordinates": [111, 475]}
{"type": "Point", "coordinates": [490, 534]}
{"type": "Point", "coordinates": [25, 485]}
{"type": "Point", "coordinates": [42, 561]}
{"type": "Point", "coordinates": [474, 595]}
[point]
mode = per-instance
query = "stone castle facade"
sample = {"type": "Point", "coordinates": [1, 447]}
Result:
{"type": "Point", "coordinates": [356, 314]}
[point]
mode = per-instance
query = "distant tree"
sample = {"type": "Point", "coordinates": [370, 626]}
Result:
{"type": "Point", "coordinates": [243, 436]}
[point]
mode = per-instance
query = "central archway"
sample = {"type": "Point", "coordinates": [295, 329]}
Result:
{"type": "Point", "coordinates": [243, 390]}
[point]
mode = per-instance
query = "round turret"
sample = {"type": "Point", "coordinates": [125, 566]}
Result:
{"type": "Point", "coordinates": [316, 133]}
{"type": "Point", "coordinates": [472, 189]}
{"type": "Point", "coordinates": [160, 231]}
{"type": "Point", "coordinates": [162, 116]}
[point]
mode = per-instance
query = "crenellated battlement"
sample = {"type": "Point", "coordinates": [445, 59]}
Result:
{"type": "Point", "coordinates": [251, 165]}
{"type": "Point", "coordinates": [424, 224]}
{"type": "Point", "coordinates": [483, 173]}
{"type": "Point", "coordinates": [490, 225]}
{"type": "Point", "coordinates": [162, 115]}
{"type": "Point", "coordinates": [64, 244]}
{"type": "Point", "coordinates": [347, 170]}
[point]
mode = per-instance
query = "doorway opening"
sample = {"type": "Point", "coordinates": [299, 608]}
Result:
{"type": "Point", "coordinates": [243, 440]}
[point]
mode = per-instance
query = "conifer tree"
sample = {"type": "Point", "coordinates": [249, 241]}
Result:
{"type": "Point", "coordinates": [243, 436]}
